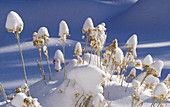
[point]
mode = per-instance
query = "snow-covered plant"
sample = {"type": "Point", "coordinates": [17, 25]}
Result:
{"type": "Point", "coordinates": [151, 82]}
{"type": "Point", "coordinates": [43, 33]}
{"type": "Point", "coordinates": [136, 101]}
{"type": "Point", "coordinates": [99, 101]}
{"type": "Point", "coordinates": [21, 100]}
{"type": "Point", "coordinates": [15, 25]}
{"type": "Point", "coordinates": [131, 75]}
{"type": "Point", "coordinates": [148, 60]}
{"type": "Point", "coordinates": [78, 52]}
{"type": "Point", "coordinates": [154, 69]}
{"type": "Point", "coordinates": [130, 56]}
{"type": "Point", "coordinates": [87, 28]}
{"type": "Point", "coordinates": [58, 60]}
{"type": "Point", "coordinates": [167, 81]}
{"type": "Point", "coordinates": [160, 93]}
{"type": "Point", "coordinates": [63, 34]}
{"type": "Point", "coordinates": [40, 40]}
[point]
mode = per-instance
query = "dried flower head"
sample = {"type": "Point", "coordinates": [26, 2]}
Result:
{"type": "Point", "coordinates": [14, 22]}
{"type": "Point", "coordinates": [58, 55]}
{"type": "Point", "coordinates": [63, 30]}
{"type": "Point", "coordinates": [160, 89]}
{"type": "Point", "coordinates": [133, 72]}
{"type": "Point", "coordinates": [156, 68]}
{"type": "Point", "coordinates": [43, 32]}
{"type": "Point", "coordinates": [88, 25]}
{"type": "Point", "coordinates": [78, 49]}
{"type": "Point", "coordinates": [147, 60]}
{"type": "Point", "coordinates": [57, 65]}
{"type": "Point", "coordinates": [132, 42]}
{"type": "Point", "coordinates": [138, 64]}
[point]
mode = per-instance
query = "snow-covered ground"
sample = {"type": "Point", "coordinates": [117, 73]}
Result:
{"type": "Point", "coordinates": [148, 19]}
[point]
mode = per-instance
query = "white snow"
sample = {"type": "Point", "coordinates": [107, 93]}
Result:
{"type": "Point", "coordinates": [14, 22]}
{"type": "Point", "coordinates": [151, 80]}
{"type": "Point", "coordinates": [43, 32]}
{"type": "Point", "coordinates": [157, 66]}
{"type": "Point", "coordinates": [18, 100]}
{"type": "Point", "coordinates": [147, 60]}
{"type": "Point", "coordinates": [161, 88]}
{"type": "Point", "coordinates": [132, 42]}
{"type": "Point", "coordinates": [88, 25]}
{"type": "Point", "coordinates": [59, 55]}
{"type": "Point", "coordinates": [63, 30]}
{"type": "Point", "coordinates": [138, 64]}
{"type": "Point", "coordinates": [89, 78]}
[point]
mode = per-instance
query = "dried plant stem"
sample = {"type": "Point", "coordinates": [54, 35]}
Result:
{"type": "Point", "coordinates": [85, 48]}
{"type": "Point", "coordinates": [64, 60]}
{"type": "Point", "coordinates": [91, 55]}
{"type": "Point", "coordinates": [143, 79]}
{"type": "Point", "coordinates": [153, 103]}
{"type": "Point", "coordinates": [127, 84]}
{"type": "Point", "coordinates": [3, 93]}
{"type": "Point", "coordinates": [40, 69]}
{"type": "Point", "coordinates": [43, 74]}
{"type": "Point", "coordinates": [123, 76]}
{"type": "Point", "coordinates": [23, 65]}
{"type": "Point", "coordinates": [101, 58]}
{"type": "Point", "coordinates": [48, 67]}
{"type": "Point", "coordinates": [78, 100]}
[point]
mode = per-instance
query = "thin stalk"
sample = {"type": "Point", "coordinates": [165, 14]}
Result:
{"type": "Point", "coordinates": [78, 100]}
{"type": "Point", "coordinates": [143, 79]}
{"type": "Point", "coordinates": [132, 102]}
{"type": "Point", "coordinates": [91, 54]}
{"type": "Point", "coordinates": [40, 69]}
{"type": "Point", "coordinates": [3, 93]}
{"type": "Point", "coordinates": [123, 76]}
{"type": "Point", "coordinates": [153, 102]}
{"type": "Point", "coordinates": [43, 74]}
{"type": "Point", "coordinates": [48, 67]}
{"type": "Point", "coordinates": [127, 84]}
{"type": "Point", "coordinates": [23, 65]}
{"type": "Point", "coordinates": [101, 58]}
{"type": "Point", "coordinates": [64, 60]}
{"type": "Point", "coordinates": [85, 47]}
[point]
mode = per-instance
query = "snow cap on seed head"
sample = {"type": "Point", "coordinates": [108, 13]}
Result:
{"type": "Point", "coordinates": [14, 22]}
{"type": "Point", "coordinates": [118, 56]}
{"type": "Point", "coordinates": [98, 101]}
{"type": "Point", "coordinates": [147, 60]}
{"type": "Point", "coordinates": [18, 100]}
{"type": "Point", "coordinates": [138, 64]}
{"type": "Point", "coordinates": [78, 49]}
{"type": "Point", "coordinates": [43, 32]}
{"type": "Point", "coordinates": [132, 42]}
{"type": "Point", "coordinates": [160, 89]}
{"type": "Point", "coordinates": [58, 55]}
{"type": "Point", "coordinates": [63, 30]}
{"type": "Point", "coordinates": [57, 65]}
{"type": "Point", "coordinates": [151, 80]}
{"type": "Point", "coordinates": [157, 67]}
{"type": "Point", "coordinates": [88, 25]}
{"type": "Point", "coordinates": [133, 72]}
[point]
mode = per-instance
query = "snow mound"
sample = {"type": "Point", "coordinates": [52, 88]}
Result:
{"type": "Point", "coordinates": [89, 78]}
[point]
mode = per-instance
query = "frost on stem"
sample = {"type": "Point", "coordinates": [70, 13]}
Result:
{"type": "Point", "coordinates": [14, 22]}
